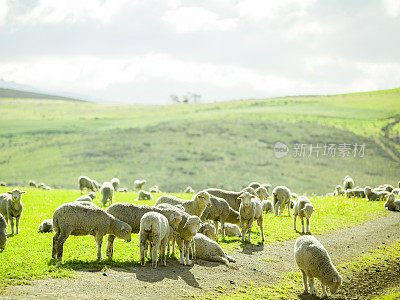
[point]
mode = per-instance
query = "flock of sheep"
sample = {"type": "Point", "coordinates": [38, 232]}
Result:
{"type": "Point", "coordinates": [193, 225]}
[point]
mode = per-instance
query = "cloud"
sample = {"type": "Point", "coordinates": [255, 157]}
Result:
{"type": "Point", "coordinates": [3, 11]}
{"type": "Point", "coordinates": [392, 7]}
{"type": "Point", "coordinates": [195, 18]}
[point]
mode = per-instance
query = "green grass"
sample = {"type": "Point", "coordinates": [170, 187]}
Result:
{"type": "Point", "coordinates": [226, 144]}
{"type": "Point", "coordinates": [28, 254]}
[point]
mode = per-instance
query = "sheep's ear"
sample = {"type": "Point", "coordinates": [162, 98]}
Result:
{"type": "Point", "coordinates": [22, 192]}
{"type": "Point", "coordinates": [334, 279]}
{"type": "Point", "coordinates": [9, 192]}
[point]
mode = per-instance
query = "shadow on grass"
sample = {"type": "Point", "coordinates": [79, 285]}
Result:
{"type": "Point", "coordinates": [248, 248]}
{"type": "Point", "coordinates": [307, 296]}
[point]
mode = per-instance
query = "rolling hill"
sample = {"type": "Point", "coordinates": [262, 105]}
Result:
{"type": "Point", "coordinates": [226, 144]}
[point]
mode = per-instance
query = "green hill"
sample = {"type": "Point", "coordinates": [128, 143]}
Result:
{"type": "Point", "coordinates": [226, 144]}
{"type": "Point", "coordinates": [17, 94]}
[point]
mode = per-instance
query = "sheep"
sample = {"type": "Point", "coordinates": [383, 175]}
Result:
{"type": "Point", "coordinates": [262, 193]}
{"type": "Point", "coordinates": [185, 232]}
{"type": "Point", "coordinates": [2, 183]}
{"type": "Point", "coordinates": [358, 192]}
{"type": "Point", "coordinates": [209, 250]}
{"type": "Point", "coordinates": [41, 185]}
{"type": "Point", "coordinates": [281, 199]}
{"type": "Point", "coordinates": [232, 230]}
{"type": "Point", "coordinates": [131, 214]}
{"type": "Point", "coordinates": [143, 195]}
{"type": "Point", "coordinates": [398, 184]}
{"type": "Point", "coordinates": [46, 187]}
{"type": "Point", "coordinates": [392, 203]}
{"type": "Point", "coordinates": [76, 219]}
{"type": "Point", "coordinates": [267, 206]}
{"type": "Point", "coordinates": [122, 190]}
{"type": "Point", "coordinates": [220, 211]}
{"type": "Point", "coordinates": [115, 183]}
{"type": "Point", "coordinates": [46, 226]}
{"type": "Point", "coordinates": [32, 183]}
{"type": "Point", "coordinates": [155, 229]}
{"type": "Point", "coordinates": [154, 189]}
{"type": "Point", "coordinates": [389, 188]}
{"type": "Point", "coordinates": [314, 262]}
{"type": "Point", "coordinates": [89, 197]}
{"type": "Point", "coordinates": [303, 209]}
{"type": "Point", "coordinates": [11, 207]}
{"type": "Point", "coordinates": [229, 196]}
{"type": "Point", "coordinates": [189, 190]}
{"type": "Point", "coordinates": [107, 192]}
{"type": "Point", "coordinates": [250, 209]}
{"type": "Point", "coordinates": [254, 185]}
{"type": "Point", "coordinates": [194, 207]}
{"type": "Point", "coordinates": [348, 183]}
{"type": "Point", "coordinates": [86, 183]}
{"type": "Point", "coordinates": [96, 185]}
{"type": "Point", "coordinates": [209, 231]}
{"type": "Point", "coordinates": [3, 233]}
{"type": "Point", "coordinates": [138, 184]}
{"type": "Point", "coordinates": [338, 191]}
{"type": "Point", "coordinates": [396, 191]}
{"type": "Point", "coordinates": [373, 195]}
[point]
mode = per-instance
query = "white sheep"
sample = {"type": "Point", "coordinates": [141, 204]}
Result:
{"type": "Point", "coordinates": [250, 209]}
{"type": "Point", "coordinates": [143, 195]}
{"type": "Point", "coordinates": [11, 207]}
{"type": "Point", "coordinates": [338, 191]}
{"type": "Point", "coordinates": [314, 262]}
{"type": "Point", "coordinates": [232, 230]}
{"type": "Point", "coordinates": [122, 190]}
{"type": "Point", "coordinates": [96, 185]}
{"type": "Point", "coordinates": [3, 233]}
{"type": "Point", "coordinates": [267, 206]}
{"type": "Point", "coordinates": [356, 192]}
{"type": "Point", "coordinates": [262, 193]}
{"type": "Point", "coordinates": [373, 195]}
{"type": "Point", "coordinates": [86, 183]}
{"type": "Point", "coordinates": [89, 197]}
{"type": "Point", "coordinates": [32, 183]}
{"type": "Point", "coordinates": [392, 203]}
{"type": "Point", "coordinates": [210, 250]}
{"type": "Point", "coordinates": [154, 189]}
{"type": "Point", "coordinates": [2, 183]}
{"type": "Point", "coordinates": [194, 207]}
{"type": "Point", "coordinates": [76, 219]}
{"type": "Point", "coordinates": [303, 209]}
{"type": "Point", "coordinates": [46, 187]}
{"type": "Point", "coordinates": [187, 229]}
{"type": "Point", "coordinates": [254, 185]}
{"type": "Point", "coordinates": [138, 184]}
{"type": "Point", "coordinates": [281, 199]}
{"type": "Point", "coordinates": [155, 229]}
{"type": "Point", "coordinates": [189, 190]}
{"type": "Point", "coordinates": [396, 191]}
{"type": "Point", "coordinates": [348, 183]}
{"type": "Point", "coordinates": [208, 230]}
{"type": "Point", "coordinates": [115, 183]}
{"type": "Point", "coordinates": [41, 185]}
{"type": "Point", "coordinates": [46, 226]}
{"type": "Point", "coordinates": [231, 197]}
{"type": "Point", "coordinates": [107, 192]}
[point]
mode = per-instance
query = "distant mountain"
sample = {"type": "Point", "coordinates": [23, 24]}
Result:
{"type": "Point", "coordinates": [19, 94]}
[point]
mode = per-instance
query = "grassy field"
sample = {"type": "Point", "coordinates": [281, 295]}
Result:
{"type": "Point", "coordinates": [226, 144]}
{"type": "Point", "coordinates": [28, 254]}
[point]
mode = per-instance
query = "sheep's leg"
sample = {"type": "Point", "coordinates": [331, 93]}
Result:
{"type": "Point", "coordinates": [17, 223]}
{"type": "Point", "coordinates": [324, 290]}
{"type": "Point", "coordinates": [260, 225]}
{"type": "Point", "coordinates": [154, 254]}
{"type": "Point", "coordinates": [11, 224]}
{"type": "Point", "coordinates": [222, 230]}
{"type": "Point", "coordinates": [288, 208]}
{"type": "Point", "coordinates": [173, 245]}
{"type": "Point", "coordinates": [304, 281]}
{"type": "Point", "coordinates": [110, 245]}
{"type": "Point", "coordinates": [55, 245]}
{"type": "Point", "coordinates": [143, 246]}
{"type": "Point", "coordinates": [181, 247]}
{"type": "Point", "coordinates": [219, 259]}
{"type": "Point", "coordinates": [276, 209]}
{"type": "Point", "coordinates": [250, 226]}
{"type": "Point", "coordinates": [163, 246]}
{"type": "Point", "coordinates": [99, 240]}
{"type": "Point", "coordinates": [243, 231]}
{"type": "Point", "coordinates": [187, 261]}
{"type": "Point", "coordinates": [216, 228]}
{"type": "Point", "coordinates": [60, 246]}
{"type": "Point", "coordinates": [294, 222]}
{"type": "Point", "coordinates": [307, 225]}
{"type": "Point", "coordinates": [302, 224]}
{"type": "Point", "coordinates": [311, 284]}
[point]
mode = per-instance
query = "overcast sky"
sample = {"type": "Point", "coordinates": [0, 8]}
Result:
{"type": "Point", "coordinates": [141, 51]}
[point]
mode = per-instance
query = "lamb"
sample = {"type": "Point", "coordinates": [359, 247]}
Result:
{"type": "Point", "coordinates": [281, 199]}
{"type": "Point", "coordinates": [131, 214]}
{"type": "Point", "coordinates": [3, 233]}
{"type": "Point", "coordinates": [392, 203]}
{"type": "Point", "coordinates": [86, 183]}
{"type": "Point", "coordinates": [348, 183]}
{"type": "Point", "coordinates": [250, 209]}
{"type": "Point", "coordinates": [155, 229]}
{"type": "Point", "coordinates": [11, 207]}
{"type": "Point", "coordinates": [122, 190]}
{"type": "Point", "coordinates": [314, 262]}
{"type": "Point", "coordinates": [303, 209]}
{"type": "Point", "coordinates": [210, 250]}
{"type": "Point", "coordinates": [232, 230]}
{"type": "Point", "coordinates": [138, 184]}
{"type": "Point", "coordinates": [115, 183]}
{"type": "Point", "coordinates": [89, 197]}
{"type": "Point", "coordinates": [220, 211]}
{"type": "Point", "coordinates": [76, 219]}
{"type": "Point", "coordinates": [154, 189]}
{"type": "Point", "coordinates": [32, 183]}
{"type": "Point", "coordinates": [358, 192]}
{"type": "Point", "coordinates": [267, 206]}
{"type": "Point", "coordinates": [143, 195]}
{"type": "Point", "coordinates": [208, 230]}
{"type": "Point", "coordinates": [338, 191]}
{"type": "Point", "coordinates": [373, 195]}
{"type": "Point", "coordinates": [107, 192]}
{"type": "Point", "coordinates": [46, 226]}
{"type": "Point", "coordinates": [231, 197]}
{"type": "Point", "coordinates": [189, 190]}
{"type": "Point", "coordinates": [194, 207]}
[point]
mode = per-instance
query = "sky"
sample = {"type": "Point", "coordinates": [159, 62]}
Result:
{"type": "Point", "coordinates": [142, 51]}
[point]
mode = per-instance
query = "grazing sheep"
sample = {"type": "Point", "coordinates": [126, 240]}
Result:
{"type": "Point", "coordinates": [373, 195]}
{"type": "Point", "coordinates": [398, 184]}
{"type": "Point", "coordinates": [138, 184]}
{"type": "Point", "coordinates": [389, 188]}
{"type": "Point", "coordinates": [107, 192]}
{"type": "Point", "coordinates": [46, 187]}
{"type": "Point", "coordinates": [209, 231]}
{"type": "Point", "coordinates": [86, 183]}
{"type": "Point", "coordinates": [359, 193]}
{"type": "Point", "coordinates": [338, 191]}
{"type": "Point", "coordinates": [281, 199]}
{"type": "Point", "coordinates": [210, 250]}
{"type": "Point", "coordinates": [3, 233]}
{"type": "Point", "coordinates": [115, 183]}
{"type": "Point", "coordinates": [303, 209]}
{"type": "Point", "coordinates": [46, 226]}
{"type": "Point", "coordinates": [2, 183]}
{"type": "Point", "coordinates": [267, 206]}
{"type": "Point", "coordinates": [220, 211]}
{"type": "Point", "coordinates": [154, 189]}
{"type": "Point", "coordinates": [96, 185]}
{"type": "Point", "coordinates": [41, 185]}
{"type": "Point", "coordinates": [194, 207]}
{"type": "Point", "coordinates": [155, 229]}
{"type": "Point", "coordinates": [396, 191]}
{"type": "Point", "coordinates": [348, 183]}
{"type": "Point", "coordinates": [132, 214]}
{"type": "Point", "coordinates": [392, 203]}
{"type": "Point", "coordinates": [232, 230]}
{"type": "Point", "coordinates": [250, 209]}
{"type": "Point", "coordinates": [262, 193]}
{"type": "Point", "coordinates": [189, 190]}
{"type": "Point", "coordinates": [143, 195]}
{"type": "Point", "coordinates": [89, 197]}
{"type": "Point", "coordinates": [254, 185]}
{"type": "Point", "coordinates": [314, 262]}
{"type": "Point", "coordinates": [77, 219]}
{"type": "Point", "coordinates": [122, 190]}
{"type": "Point", "coordinates": [11, 207]}
{"type": "Point", "coordinates": [231, 197]}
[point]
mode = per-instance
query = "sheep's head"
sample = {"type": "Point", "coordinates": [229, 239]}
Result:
{"type": "Point", "coordinates": [389, 188]}
{"type": "Point", "coordinates": [16, 194]}
{"type": "Point", "coordinates": [262, 193]}
{"type": "Point", "coordinates": [367, 190]}
{"type": "Point", "coordinates": [125, 232]}
{"type": "Point", "coordinates": [204, 198]}
{"type": "Point", "coordinates": [308, 210]}
{"type": "Point", "coordinates": [193, 224]}
{"type": "Point", "coordinates": [267, 186]}
{"type": "Point", "coordinates": [249, 189]}
{"type": "Point", "coordinates": [246, 198]}
{"type": "Point", "coordinates": [391, 197]}
{"type": "Point", "coordinates": [209, 230]}
{"type": "Point", "coordinates": [174, 220]}
{"type": "Point", "coordinates": [92, 195]}
{"type": "Point", "coordinates": [335, 283]}
{"type": "Point", "coordinates": [3, 240]}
